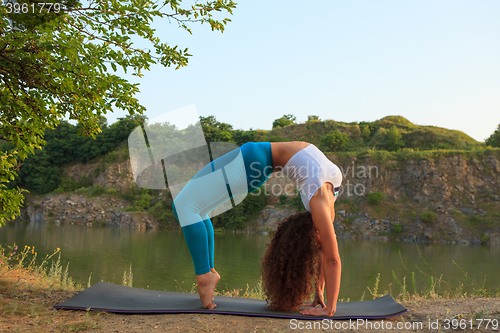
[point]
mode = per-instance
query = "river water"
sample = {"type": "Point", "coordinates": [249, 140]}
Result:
{"type": "Point", "coordinates": [161, 261]}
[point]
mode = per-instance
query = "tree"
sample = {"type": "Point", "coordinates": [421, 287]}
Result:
{"type": "Point", "coordinates": [312, 118]}
{"type": "Point", "coordinates": [494, 139]}
{"type": "Point", "coordinates": [394, 139]}
{"type": "Point", "coordinates": [286, 120]}
{"type": "Point", "coordinates": [215, 131]}
{"type": "Point", "coordinates": [365, 129]}
{"type": "Point", "coordinates": [335, 141]}
{"type": "Point", "coordinates": [241, 137]}
{"type": "Point", "coordinates": [63, 60]}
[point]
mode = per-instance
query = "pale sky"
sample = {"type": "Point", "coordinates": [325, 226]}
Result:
{"type": "Point", "coordinates": [432, 62]}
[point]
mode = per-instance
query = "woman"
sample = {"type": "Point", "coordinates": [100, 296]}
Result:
{"type": "Point", "coordinates": [317, 179]}
{"type": "Point", "coordinates": [293, 259]}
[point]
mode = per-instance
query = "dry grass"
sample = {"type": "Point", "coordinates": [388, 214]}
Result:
{"type": "Point", "coordinates": [26, 301]}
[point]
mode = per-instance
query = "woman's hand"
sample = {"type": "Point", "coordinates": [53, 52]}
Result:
{"type": "Point", "coordinates": [318, 300]}
{"type": "Point", "coordinates": [323, 312]}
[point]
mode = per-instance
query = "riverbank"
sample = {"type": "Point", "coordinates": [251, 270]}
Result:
{"type": "Point", "coordinates": [28, 295]}
{"type": "Point", "coordinates": [433, 196]}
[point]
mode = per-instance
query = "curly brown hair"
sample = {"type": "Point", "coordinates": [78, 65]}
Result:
{"type": "Point", "coordinates": [290, 263]}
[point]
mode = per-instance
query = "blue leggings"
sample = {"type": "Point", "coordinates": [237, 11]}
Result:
{"type": "Point", "coordinates": [238, 172]}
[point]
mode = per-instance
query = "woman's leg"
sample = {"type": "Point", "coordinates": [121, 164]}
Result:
{"type": "Point", "coordinates": [197, 240]}
{"type": "Point", "coordinates": [231, 174]}
{"type": "Point", "coordinates": [210, 236]}
{"type": "Point", "coordinates": [205, 192]}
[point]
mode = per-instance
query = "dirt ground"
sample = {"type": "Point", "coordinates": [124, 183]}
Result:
{"type": "Point", "coordinates": [26, 306]}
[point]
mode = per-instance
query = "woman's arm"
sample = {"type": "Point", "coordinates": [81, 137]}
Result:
{"type": "Point", "coordinates": [323, 215]}
{"type": "Point", "coordinates": [320, 283]}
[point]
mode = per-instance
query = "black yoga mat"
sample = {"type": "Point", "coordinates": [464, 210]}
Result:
{"type": "Point", "coordinates": [120, 299]}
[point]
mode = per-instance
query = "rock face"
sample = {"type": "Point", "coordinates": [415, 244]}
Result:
{"type": "Point", "coordinates": [77, 209]}
{"type": "Point", "coordinates": [270, 217]}
{"type": "Point", "coordinates": [114, 175]}
{"type": "Point", "coordinates": [460, 194]}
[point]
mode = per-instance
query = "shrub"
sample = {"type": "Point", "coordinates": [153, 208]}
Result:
{"type": "Point", "coordinates": [397, 228]}
{"type": "Point", "coordinates": [365, 130]}
{"type": "Point", "coordinates": [98, 190]}
{"type": "Point", "coordinates": [494, 139]}
{"type": "Point", "coordinates": [429, 217]}
{"type": "Point", "coordinates": [287, 119]}
{"type": "Point", "coordinates": [162, 212]}
{"type": "Point", "coordinates": [67, 184]}
{"type": "Point", "coordinates": [394, 137]}
{"type": "Point", "coordinates": [238, 217]}
{"type": "Point", "coordinates": [376, 197]}
{"type": "Point", "coordinates": [335, 141]}
{"type": "Point", "coordinates": [112, 156]}
{"type": "Point", "coordinates": [296, 201]}
{"type": "Point", "coordinates": [112, 192]}
{"type": "Point", "coordinates": [283, 198]}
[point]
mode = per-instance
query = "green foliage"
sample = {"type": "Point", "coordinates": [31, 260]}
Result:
{"type": "Point", "coordinates": [276, 138]}
{"type": "Point", "coordinates": [335, 141]}
{"type": "Point", "coordinates": [287, 119]}
{"type": "Point", "coordinates": [296, 201]}
{"type": "Point", "coordinates": [40, 171]}
{"type": "Point", "coordinates": [238, 217]}
{"type": "Point", "coordinates": [242, 137]}
{"type": "Point", "coordinates": [67, 184]}
{"type": "Point", "coordinates": [98, 190]}
{"type": "Point", "coordinates": [365, 130]}
{"type": "Point", "coordinates": [394, 141]}
{"type": "Point", "coordinates": [395, 120]}
{"type": "Point", "coordinates": [216, 131]}
{"type": "Point", "coordinates": [397, 228]}
{"type": "Point", "coordinates": [141, 202]}
{"type": "Point", "coordinates": [283, 198]}
{"type": "Point", "coordinates": [429, 217]}
{"type": "Point", "coordinates": [312, 118]}
{"type": "Point", "coordinates": [431, 137]}
{"type": "Point", "coordinates": [374, 135]}
{"type": "Point", "coordinates": [37, 173]}
{"type": "Point", "coordinates": [162, 211]}
{"type": "Point", "coordinates": [159, 206]}
{"type": "Point", "coordinates": [494, 139]}
{"type": "Point", "coordinates": [376, 197]}
{"type": "Point", "coordinates": [63, 63]}
{"type": "Point", "coordinates": [112, 192]}
{"type": "Point", "coordinates": [112, 156]}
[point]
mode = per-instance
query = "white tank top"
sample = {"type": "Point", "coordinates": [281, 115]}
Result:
{"type": "Point", "coordinates": [309, 168]}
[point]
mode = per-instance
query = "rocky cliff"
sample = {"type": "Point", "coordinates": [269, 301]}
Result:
{"type": "Point", "coordinates": [451, 199]}
{"type": "Point", "coordinates": [443, 198]}
{"type": "Point", "coordinates": [78, 208]}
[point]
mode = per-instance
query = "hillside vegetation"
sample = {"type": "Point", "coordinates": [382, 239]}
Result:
{"type": "Point", "coordinates": [390, 138]}
{"type": "Point", "coordinates": [388, 133]}
{"type": "Point", "coordinates": [64, 145]}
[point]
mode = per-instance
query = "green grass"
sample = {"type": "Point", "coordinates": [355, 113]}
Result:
{"type": "Point", "coordinates": [436, 286]}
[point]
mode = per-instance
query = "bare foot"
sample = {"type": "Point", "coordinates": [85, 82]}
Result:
{"type": "Point", "coordinates": [214, 271]}
{"type": "Point", "coordinates": [206, 286]}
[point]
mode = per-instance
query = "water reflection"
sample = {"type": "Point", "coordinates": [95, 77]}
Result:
{"type": "Point", "coordinates": [160, 259]}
